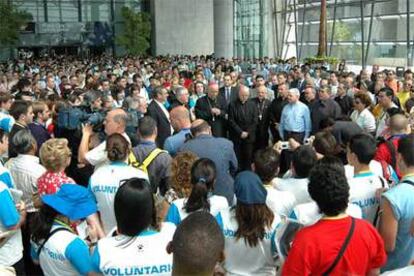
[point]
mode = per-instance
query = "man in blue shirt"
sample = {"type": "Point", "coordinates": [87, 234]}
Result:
{"type": "Point", "coordinates": [397, 211]}
{"type": "Point", "coordinates": [180, 121]}
{"type": "Point", "coordinates": [295, 121]}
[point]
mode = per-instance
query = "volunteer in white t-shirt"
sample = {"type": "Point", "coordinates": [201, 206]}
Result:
{"type": "Point", "coordinates": [249, 229]}
{"type": "Point", "coordinates": [266, 166]}
{"type": "Point", "coordinates": [203, 178]}
{"type": "Point", "coordinates": [364, 185]}
{"type": "Point", "coordinates": [303, 160]}
{"type": "Point", "coordinates": [140, 244]}
{"type": "Point", "coordinates": [106, 180]}
{"type": "Point", "coordinates": [55, 244]}
{"type": "Point", "coordinates": [115, 122]}
{"type": "Point", "coordinates": [11, 219]}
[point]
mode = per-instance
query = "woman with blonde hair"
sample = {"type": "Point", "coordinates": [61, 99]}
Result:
{"type": "Point", "coordinates": [55, 156]}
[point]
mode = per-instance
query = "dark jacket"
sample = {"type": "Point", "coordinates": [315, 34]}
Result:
{"type": "Point", "coordinates": [203, 111]}
{"type": "Point", "coordinates": [243, 117]}
{"type": "Point", "coordinates": [234, 94]}
{"type": "Point", "coordinates": [221, 152]}
{"type": "Point", "coordinates": [163, 124]}
{"type": "Point", "coordinates": [322, 109]}
{"type": "Point", "coordinates": [346, 103]}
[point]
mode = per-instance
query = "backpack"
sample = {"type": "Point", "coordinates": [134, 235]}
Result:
{"type": "Point", "coordinates": [132, 160]}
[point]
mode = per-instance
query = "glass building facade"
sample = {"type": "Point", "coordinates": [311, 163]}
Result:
{"type": "Point", "coordinates": [291, 28]}
{"type": "Point", "coordinates": [74, 24]}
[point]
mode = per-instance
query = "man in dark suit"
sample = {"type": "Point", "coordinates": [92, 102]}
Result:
{"type": "Point", "coordinates": [220, 151]}
{"type": "Point", "coordinates": [212, 109]}
{"type": "Point", "coordinates": [243, 119]}
{"type": "Point", "coordinates": [262, 131]}
{"type": "Point", "coordinates": [159, 113]}
{"type": "Point", "coordinates": [228, 91]}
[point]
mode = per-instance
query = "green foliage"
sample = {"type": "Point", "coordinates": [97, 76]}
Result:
{"type": "Point", "coordinates": [321, 60]}
{"type": "Point", "coordinates": [137, 30]}
{"type": "Point", "coordinates": [11, 22]}
{"type": "Point", "coordinates": [342, 32]}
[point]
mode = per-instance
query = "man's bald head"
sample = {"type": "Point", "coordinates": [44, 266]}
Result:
{"type": "Point", "coordinates": [213, 90]}
{"type": "Point", "coordinates": [261, 92]}
{"type": "Point", "coordinates": [115, 121]}
{"type": "Point", "coordinates": [244, 93]}
{"type": "Point", "coordinates": [398, 124]}
{"type": "Point", "coordinates": [180, 118]}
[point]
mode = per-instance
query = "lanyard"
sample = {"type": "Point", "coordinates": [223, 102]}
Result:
{"type": "Point", "coordinates": [64, 225]}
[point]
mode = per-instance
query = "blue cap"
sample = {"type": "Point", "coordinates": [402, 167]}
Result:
{"type": "Point", "coordinates": [249, 188]}
{"type": "Point", "coordinates": [72, 201]}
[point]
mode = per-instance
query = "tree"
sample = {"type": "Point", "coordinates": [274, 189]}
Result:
{"type": "Point", "coordinates": [12, 21]}
{"type": "Point", "coordinates": [322, 31]}
{"type": "Point", "coordinates": [136, 34]}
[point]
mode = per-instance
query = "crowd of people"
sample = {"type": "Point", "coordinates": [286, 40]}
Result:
{"type": "Point", "coordinates": [196, 165]}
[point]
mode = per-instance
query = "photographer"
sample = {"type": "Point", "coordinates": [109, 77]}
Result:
{"type": "Point", "coordinates": [115, 122]}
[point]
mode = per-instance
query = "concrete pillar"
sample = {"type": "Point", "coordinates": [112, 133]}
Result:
{"type": "Point", "coordinates": [223, 28]}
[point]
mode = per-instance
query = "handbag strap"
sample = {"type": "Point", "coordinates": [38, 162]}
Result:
{"type": "Point", "coordinates": [343, 248]}
{"type": "Point", "coordinates": [48, 237]}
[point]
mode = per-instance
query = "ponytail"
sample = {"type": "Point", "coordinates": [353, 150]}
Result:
{"type": "Point", "coordinates": [198, 199]}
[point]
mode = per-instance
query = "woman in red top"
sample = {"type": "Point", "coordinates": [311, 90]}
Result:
{"type": "Point", "coordinates": [315, 248]}
{"type": "Point", "coordinates": [55, 157]}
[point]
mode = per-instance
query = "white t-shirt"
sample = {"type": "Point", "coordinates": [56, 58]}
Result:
{"type": "Point", "coordinates": [297, 186]}
{"type": "Point", "coordinates": [144, 254]}
{"type": "Point", "coordinates": [241, 259]}
{"type": "Point", "coordinates": [308, 213]}
{"type": "Point", "coordinates": [104, 184]}
{"type": "Point", "coordinates": [176, 212]}
{"type": "Point", "coordinates": [362, 189]}
{"type": "Point", "coordinates": [374, 166]}
{"type": "Point", "coordinates": [98, 156]}
{"type": "Point", "coordinates": [63, 254]}
{"type": "Point", "coordinates": [280, 202]}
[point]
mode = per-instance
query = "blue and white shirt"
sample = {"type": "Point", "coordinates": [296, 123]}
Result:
{"type": "Point", "coordinates": [144, 254]}
{"type": "Point", "coordinates": [6, 121]}
{"type": "Point", "coordinates": [241, 259]}
{"type": "Point", "coordinates": [64, 254]}
{"type": "Point", "coordinates": [6, 177]}
{"type": "Point", "coordinates": [362, 190]}
{"type": "Point", "coordinates": [104, 184]}
{"type": "Point", "coordinates": [176, 212]}
{"type": "Point", "coordinates": [400, 198]}
{"type": "Point", "coordinates": [12, 250]}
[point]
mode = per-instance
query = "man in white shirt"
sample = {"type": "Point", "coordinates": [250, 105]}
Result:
{"type": "Point", "coordinates": [303, 160]}
{"type": "Point", "coordinates": [25, 170]}
{"type": "Point", "coordinates": [115, 122]}
{"type": "Point", "coordinates": [364, 184]}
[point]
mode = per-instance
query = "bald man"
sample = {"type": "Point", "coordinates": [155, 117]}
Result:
{"type": "Point", "coordinates": [115, 122]}
{"type": "Point", "coordinates": [212, 109]}
{"type": "Point", "coordinates": [243, 119]}
{"type": "Point", "coordinates": [180, 121]}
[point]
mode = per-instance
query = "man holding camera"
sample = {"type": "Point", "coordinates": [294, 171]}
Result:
{"type": "Point", "coordinates": [115, 122]}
